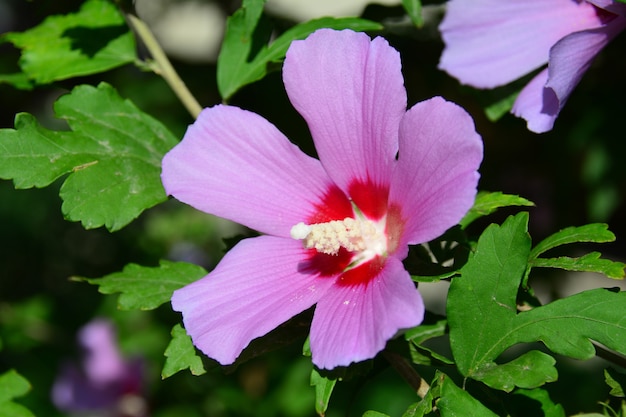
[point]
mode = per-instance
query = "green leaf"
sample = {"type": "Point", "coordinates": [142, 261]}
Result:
{"type": "Point", "coordinates": [181, 354]}
{"type": "Point", "coordinates": [616, 381]}
{"type": "Point", "coordinates": [13, 385]}
{"type": "Point", "coordinates": [420, 334]}
{"type": "Point", "coordinates": [371, 413]}
{"type": "Point", "coordinates": [427, 404]}
{"type": "Point", "coordinates": [488, 202]}
{"type": "Point", "coordinates": [323, 390]}
{"type": "Point", "coordinates": [113, 155]}
{"type": "Point", "coordinates": [146, 288]}
{"type": "Point", "coordinates": [11, 409]}
{"type": "Point", "coordinates": [530, 370]}
{"type": "Point", "coordinates": [590, 262]}
{"type": "Point", "coordinates": [482, 314]}
{"type": "Point", "coordinates": [501, 106]}
{"type": "Point", "coordinates": [93, 40]}
{"type": "Point", "coordinates": [422, 355]}
{"type": "Point", "coordinates": [18, 80]}
{"type": "Point", "coordinates": [414, 10]}
{"type": "Point", "coordinates": [245, 55]}
{"type": "Point", "coordinates": [479, 305]}
{"type": "Point", "coordinates": [549, 408]}
{"type": "Point", "coordinates": [455, 402]}
{"type": "Point", "coordinates": [596, 233]}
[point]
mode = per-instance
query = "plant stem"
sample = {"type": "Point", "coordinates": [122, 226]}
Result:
{"type": "Point", "coordinates": [407, 372]}
{"type": "Point", "coordinates": [163, 65]}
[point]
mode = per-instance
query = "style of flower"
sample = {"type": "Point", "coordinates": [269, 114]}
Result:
{"type": "Point", "coordinates": [335, 230]}
{"type": "Point", "coordinates": [489, 43]}
{"type": "Point", "coordinates": [103, 383]}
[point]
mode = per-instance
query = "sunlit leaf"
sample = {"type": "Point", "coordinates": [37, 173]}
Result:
{"type": "Point", "coordinates": [245, 53]}
{"type": "Point", "coordinates": [93, 40]}
{"type": "Point", "coordinates": [483, 318]}
{"type": "Point", "coordinates": [616, 381]}
{"type": "Point", "coordinates": [488, 202]}
{"type": "Point", "coordinates": [113, 155]}
{"type": "Point", "coordinates": [181, 354]}
{"type": "Point", "coordinates": [146, 288]}
{"type": "Point", "coordinates": [590, 262]}
{"type": "Point", "coordinates": [323, 390]}
{"type": "Point", "coordinates": [596, 232]}
{"type": "Point", "coordinates": [530, 370]}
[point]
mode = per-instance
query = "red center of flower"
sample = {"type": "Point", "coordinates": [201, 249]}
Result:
{"type": "Point", "coordinates": [351, 237]}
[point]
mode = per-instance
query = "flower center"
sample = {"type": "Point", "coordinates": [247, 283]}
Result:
{"type": "Point", "coordinates": [362, 236]}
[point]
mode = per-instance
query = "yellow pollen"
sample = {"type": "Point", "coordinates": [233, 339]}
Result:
{"type": "Point", "coordinates": [350, 234]}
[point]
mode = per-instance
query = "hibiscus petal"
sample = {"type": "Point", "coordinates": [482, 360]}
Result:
{"type": "Point", "coordinates": [537, 104]}
{"type": "Point", "coordinates": [572, 56]}
{"type": "Point", "coordinates": [610, 5]}
{"type": "Point", "coordinates": [493, 42]}
{"type": "Point", "coordinates": [435, 181]}
{"type": "Point", "coordinates": [353, 323]}
{"type": "Point", "coordinates": [350, 91]}
{"type": "Point", "coordinates": [256, 287]}
{"type": "Point", "coordinates": [543, 98]}
{"type": "Point", "coordinates": [235, 164]}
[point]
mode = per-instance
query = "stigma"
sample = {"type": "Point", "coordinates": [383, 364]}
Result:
{"type": "Point", "coordinates": [354, 235]}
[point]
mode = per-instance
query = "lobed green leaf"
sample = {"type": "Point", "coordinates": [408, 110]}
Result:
{"type": "Point", "coordinates": [481, 302]}
{"type": "Point", "coordinates": [590, 262]}
{"type": "Point", "coordinates": [530, 370]}
{"type": "Point", "coordinates": [181, 354]}
{"type": "Point", "coordinates": [616, 381]}
{"type": "Point", "coordinates": [245, 54]}
{"type": "Point", "coordinates": [482, 314]}
{"type": "Point", "coordinates": [93, 40]}
{"type": "Point", "coordinates": [146, 288]}
{"type": "Point", "coordinates": [113, 155]}
{"type": "Point", "coordinates": [488, 202]}
{"type": "Point", "coordinates": [595, 232]}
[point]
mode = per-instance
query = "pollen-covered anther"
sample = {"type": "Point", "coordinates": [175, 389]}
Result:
{"type": "Point", "coordinates": [350, 234]}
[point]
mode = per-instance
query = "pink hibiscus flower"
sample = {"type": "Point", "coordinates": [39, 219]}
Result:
{"type": "Point", "coordinates": [489, 43]}
{"type": "Point", "coordinates": [335, 229]}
